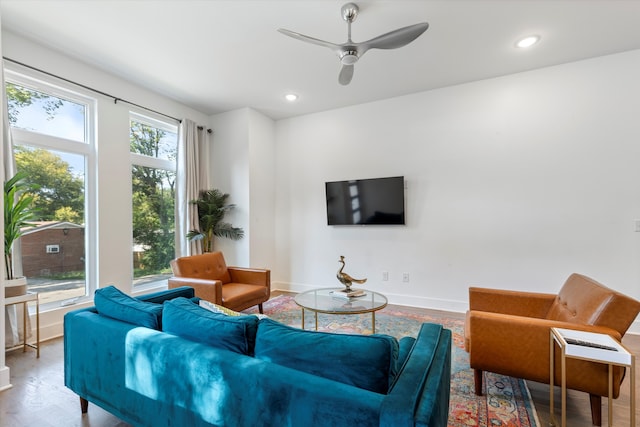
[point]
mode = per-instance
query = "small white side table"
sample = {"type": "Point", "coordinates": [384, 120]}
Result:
{"type": "Point", "coordinates": [621, 357]}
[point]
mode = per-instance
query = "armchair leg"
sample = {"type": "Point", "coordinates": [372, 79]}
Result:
{"type": "Point", "coordinates": [84, 405]}
{"type": "Point", "coordinates": [477, 380]}
{"type": "Point", "coordinates": [596, 409]}
{"type": "Point", "coordinates": [260, 309]}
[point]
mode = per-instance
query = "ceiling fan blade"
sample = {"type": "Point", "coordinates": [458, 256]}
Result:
{"type": "Point", "coordinates": [394, 39]}
{"type": "Point", "coordinates": [346, 74]}
{"type": "Point", "coordinates": [308, 39]}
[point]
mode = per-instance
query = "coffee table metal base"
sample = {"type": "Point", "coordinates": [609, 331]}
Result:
{"type": "Point", "coordinates": [373, 319]}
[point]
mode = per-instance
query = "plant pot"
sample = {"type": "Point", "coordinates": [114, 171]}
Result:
{"type": "Point", "coordinates": [15, 287]}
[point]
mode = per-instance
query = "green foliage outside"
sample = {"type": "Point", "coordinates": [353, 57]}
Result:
{"type": "Point", "coordinates": [60, 194]}
{"type": "Point", "coordinates": [19, 97]}
{"type": "Point", "coordinates": [153, 204]}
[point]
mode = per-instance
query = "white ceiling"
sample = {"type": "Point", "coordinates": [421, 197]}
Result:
{"type": "Point", "coordinates": [217, 56]}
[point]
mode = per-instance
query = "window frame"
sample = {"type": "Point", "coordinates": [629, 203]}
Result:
{"type": "Point", "coordinates": [136, 159]}
{"type": "Point", "coordinates": [31, 79]}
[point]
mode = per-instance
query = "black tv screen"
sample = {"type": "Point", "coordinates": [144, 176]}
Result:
{"type": "Point", "coordinates": [366, 201]}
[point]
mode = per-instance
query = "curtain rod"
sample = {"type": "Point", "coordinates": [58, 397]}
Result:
{"type": "Point", "coordinates": [115, 98]}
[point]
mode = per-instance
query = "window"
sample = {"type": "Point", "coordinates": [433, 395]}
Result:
{"type": "Point", "coordinates": [52, 129]}
{"type": "Point", "coordinates": [154, 145]}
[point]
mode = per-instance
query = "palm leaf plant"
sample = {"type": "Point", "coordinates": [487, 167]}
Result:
{"type": "Point", "coordinates": [212, 207]}
{"type": "Point", "coordinates": [18, 212]}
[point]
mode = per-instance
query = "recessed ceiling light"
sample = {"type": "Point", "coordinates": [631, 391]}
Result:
{"type": "Point", "coordinates": [528, 41]}
{"type": "Point", "coordinates": [291, 97]}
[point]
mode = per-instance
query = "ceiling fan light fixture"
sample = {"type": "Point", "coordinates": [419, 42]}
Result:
{"type": "Point", "coordinates": [349, 57]}
{"type": "Point", "coordinates": [527, 41]}
{"type": "Point", "coordinates": [291, 97]}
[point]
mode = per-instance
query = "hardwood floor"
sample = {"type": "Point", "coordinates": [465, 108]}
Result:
{"type": "Point", "coordinates": [39, 398]}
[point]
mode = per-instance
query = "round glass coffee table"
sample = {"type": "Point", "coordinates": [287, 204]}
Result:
{"type": "Point", "coordinates": [323, 301]}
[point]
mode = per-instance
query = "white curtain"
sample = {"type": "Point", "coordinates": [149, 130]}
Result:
{"type": "Point", "coordinates": [192, 176]}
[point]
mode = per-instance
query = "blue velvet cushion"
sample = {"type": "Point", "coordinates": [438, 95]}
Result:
{"type": "Point", "coordinates": [184, 318]}
{"type": "Point", "coordinates": [365, 361]}
{"type": "Point", "coordinates": [112, 302]}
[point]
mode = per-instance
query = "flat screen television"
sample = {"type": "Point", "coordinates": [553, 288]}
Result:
{"type": "Point", "coordinates": [378, 201]}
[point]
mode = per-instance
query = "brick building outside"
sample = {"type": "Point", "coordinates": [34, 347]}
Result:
{"type": "Point", "coordinates": [52, 247]}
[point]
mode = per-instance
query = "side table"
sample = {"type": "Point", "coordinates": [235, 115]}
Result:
{"type": "Point", "coordinates": [25, 300]}
{"type": "Point", "coordinates": [618, 357]}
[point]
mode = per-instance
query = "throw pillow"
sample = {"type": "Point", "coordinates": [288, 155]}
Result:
{"type": "Point", "coordinates": [224, 310]}
{"type": "Point", "coordinates": [235, 333]}
{"type": "Point", "coordinates": [215, 308]}
{"type": "Point", "coordinates": [364, 361]}
{"type": "Point", "coordinates": [112, 302]}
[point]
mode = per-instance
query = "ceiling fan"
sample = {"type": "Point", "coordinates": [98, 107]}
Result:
{"type": "Point", "coordinates": [350, 51]}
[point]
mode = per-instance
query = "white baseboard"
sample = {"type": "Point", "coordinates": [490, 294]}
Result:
{"type": "Point", "coordinates": [5, 378]}
{"type": "Point", "coordinates": [396, 299]}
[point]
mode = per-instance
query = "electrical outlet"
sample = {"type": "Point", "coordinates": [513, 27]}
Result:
{"type": "Point", "coordinates": [405, 277]}
{"type": "Point", "coordinates": [385, 276]}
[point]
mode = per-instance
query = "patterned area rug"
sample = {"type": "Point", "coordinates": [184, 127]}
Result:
{"type": "Point", "coordinates": [507, 402]}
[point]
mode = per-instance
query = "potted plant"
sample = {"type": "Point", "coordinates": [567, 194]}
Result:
{"type": "Point", "coordinates": [18, 211]}
{"type": "Point", "coordinates": [212, 206]}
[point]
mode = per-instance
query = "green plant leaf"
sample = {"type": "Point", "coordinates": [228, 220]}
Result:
{"type": "Point", "coordinates": [212, 207]}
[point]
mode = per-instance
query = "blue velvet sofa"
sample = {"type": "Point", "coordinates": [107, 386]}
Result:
{"type": "Point", "coordinates": [162, 360]}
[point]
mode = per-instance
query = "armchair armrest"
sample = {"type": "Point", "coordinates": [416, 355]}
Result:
{"type": "Point", "coordinates": [210, 290]}
{"type": "Point", "coordinates": [517, 303]}
{"type": "Point", "coordinates": [250, 276]}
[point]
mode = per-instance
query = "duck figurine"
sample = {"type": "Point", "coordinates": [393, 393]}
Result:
{"type": "Point", "coordinates": [345, 279]}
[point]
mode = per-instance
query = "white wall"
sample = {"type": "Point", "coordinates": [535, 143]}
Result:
{"type": "Point", "coordinates": [243, 158]}
{"type": "Point", "coordinates": [513, 182]}
{"type": "Point", "coordinates": [114, 166]}
{"type": "Point", "coordinates": [262, 155]}
{"type": "Point", "coordinates": [230, 174]}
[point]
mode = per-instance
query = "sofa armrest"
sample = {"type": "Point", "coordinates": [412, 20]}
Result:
{"type": "Point", "coordinates": [528, 304]}
{"type": "Point", "coordinates": [514, 345]}
{"type": "Point", "coordinates": [250, 276]}
{"type": "Point", "coordinates": [160, 297]}
{"type": "Point", "coordinates": [420, 394]}
{"type": "Point", "coordinates": [210, 290]}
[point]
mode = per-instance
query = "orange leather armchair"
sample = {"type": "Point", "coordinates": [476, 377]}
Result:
{"type": "Point", "coordinates": [507, 332]}
{"type": "Point", "coordinates": [233, 287]}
